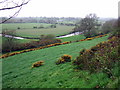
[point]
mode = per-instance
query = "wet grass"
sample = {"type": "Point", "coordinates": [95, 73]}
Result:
{"type": "Point", "coordinates": [17, 72]}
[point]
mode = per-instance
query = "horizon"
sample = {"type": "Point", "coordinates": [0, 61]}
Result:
{"type": "Point", "coordinates": [67, 8]}
{"type": "Point", "coordinates": [60, 17]}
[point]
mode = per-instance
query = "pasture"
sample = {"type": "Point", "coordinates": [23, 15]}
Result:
{"type": "Point", "coordinates": [30, 30]}
{"type": "Point", "coordinates": [73, 38]}
{"type": "Point", "coordinates": [17, 72]}
{"type": "Point", "coordinates": [2, 39]}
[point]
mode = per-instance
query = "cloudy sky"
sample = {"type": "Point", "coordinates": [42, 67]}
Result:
{"type": "Point", "coordinates": [68, 8]}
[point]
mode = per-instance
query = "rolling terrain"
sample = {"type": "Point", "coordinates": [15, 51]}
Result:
{"type": "Point", "coordinates": [17, 71]}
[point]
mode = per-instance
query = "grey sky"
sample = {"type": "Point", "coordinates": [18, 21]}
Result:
{"type": "Point", "coordinates": [68, 8]}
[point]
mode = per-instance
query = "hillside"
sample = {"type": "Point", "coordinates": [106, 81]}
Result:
{"type": "Point", "coordinates": [17, 72]}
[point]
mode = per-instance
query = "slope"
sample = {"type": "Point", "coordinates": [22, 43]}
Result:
{"type": "Point", "coordinates": [17, 72]}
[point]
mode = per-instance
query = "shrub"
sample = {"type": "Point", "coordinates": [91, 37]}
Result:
{"type": "Point", "coordinates": [37, 64]}
{"type": "Point", "coordinates": [63, 59]}
{"type": "Point", "coordinates": [34, 26]}
{"type": "Point", "coordinates": [49, 36]}
{"type": "Point", "coordinates": [66, 57]}
{"type": "Point", "coordinates": [18, 28]}
{"type": "Point", "coordinates": [101, 57]}
{"type": "Point", "coordinates": [53, 26]}
{"type": "Point", "coordinates": [60, 60]}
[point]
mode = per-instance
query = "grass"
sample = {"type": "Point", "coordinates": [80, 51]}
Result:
{"type": "Point", "coordinates": [18, 40]}
{"type": "Point", "coordinates": [17, 72]}
{"type": "Point", "coordinates": [14, 26]}
{"type": "Point", "coordinates": [27, 30]}
{"type": "Point", "coordinates": [73, 38]}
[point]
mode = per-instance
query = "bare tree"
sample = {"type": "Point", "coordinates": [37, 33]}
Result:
{"type": "Point", "coordinates": [12, 5]}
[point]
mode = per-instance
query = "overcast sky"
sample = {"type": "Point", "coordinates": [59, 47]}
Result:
{"type": "Point", "coordinates": [69, 8]}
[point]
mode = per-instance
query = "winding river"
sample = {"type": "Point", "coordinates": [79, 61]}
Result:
{"type": "Point", "coordinates": [16, 37]}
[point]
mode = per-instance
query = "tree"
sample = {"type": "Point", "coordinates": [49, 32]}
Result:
{"type": "Point", "coordinates": [8, 43]}
{"type": "Point", "coordinates": [109, 26]}
{"type": "Point", "coordinates": [10, 5]}
{"type": "Point", "coordinates": [88, 25]}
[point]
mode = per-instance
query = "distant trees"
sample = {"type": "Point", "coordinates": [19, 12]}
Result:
{"type": "Point", "coordinates": [53, 26]}
{"type": "Point", "coordinates": [88, 25]}
{"type": "Point", "coordinates": [48, 20]}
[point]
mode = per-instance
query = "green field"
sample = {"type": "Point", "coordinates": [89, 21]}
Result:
{"type": "Point", "coordinates": [27, 30]}
{"type": "Point", "coordinates": [17, 72]}
{"type": "Point", "coordinates": [73, 38]}
{"type": "Point", "coordinates": [2, 39]}
{"type": "Point", "coordinates": [14, 26]}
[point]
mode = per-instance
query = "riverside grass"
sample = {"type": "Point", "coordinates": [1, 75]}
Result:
{"type": "Point", "coordinates": [17, 72]}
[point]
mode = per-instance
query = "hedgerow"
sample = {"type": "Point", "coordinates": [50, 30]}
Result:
{"type": "Point", "coordinates": [42, 47]}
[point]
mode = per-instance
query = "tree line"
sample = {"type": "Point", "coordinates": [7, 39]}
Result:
{"type": "Point", "coordinates": [49, 20]}
{"type": "Point", "coordinates": [90, 26]}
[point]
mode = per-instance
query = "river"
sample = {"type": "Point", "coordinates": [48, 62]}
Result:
{"type": "Point", "coordinates": [68, 35]}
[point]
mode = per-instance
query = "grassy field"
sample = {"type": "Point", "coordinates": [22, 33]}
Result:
{"type": "Point", "coordinates": [73, 38]}
{"type": "Point", "coordinates": [17, 72]}
{"type": "Point", "coordinates": [27, 30]}
{"type": "Point", "coordinates": [14, 26]}
{"type": "Point", "coordinates": [18, 40]}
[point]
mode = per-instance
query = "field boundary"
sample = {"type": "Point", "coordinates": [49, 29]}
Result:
{"type": "Point", "coordinates": [47, 46]}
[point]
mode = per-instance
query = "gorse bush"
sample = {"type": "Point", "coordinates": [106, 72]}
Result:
{"type": "Point", "coordinates": [37, 64]}
{"type": "Point", "coordinates": [63, 59]}
{"type": "Point", "coordinates": [101, 57]}
{"type": "Point", "coordinates": [66, 57]}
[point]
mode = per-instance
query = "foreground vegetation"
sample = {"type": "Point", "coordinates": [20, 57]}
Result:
{"type": "Point", "coordinates": [50, 75]}
{"type": "Point", "coordinates": [101, 58]}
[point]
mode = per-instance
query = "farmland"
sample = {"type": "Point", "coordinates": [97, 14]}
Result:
{"type": "Point", "coordinates": [29, 30]}
{"type": "Point", "coordinates": [18, 73]}
{"type": "Point", "coordinates": [29, 63]}
{"type": "Point", "coordinates": [73, 38]}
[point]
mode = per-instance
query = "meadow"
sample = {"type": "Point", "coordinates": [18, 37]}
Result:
{"type": "Point", "coordinates": [2, 39]}
{"type": "Point", "coordinates": [30, 30]}
{"type": "Point", "coordinates": [17, 71]}
{"type": "Point", "coordinates": [73, 38]}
